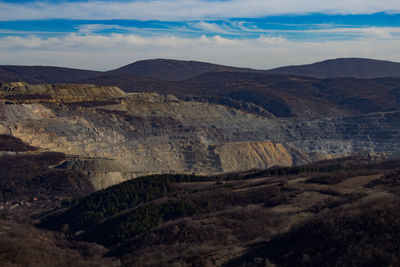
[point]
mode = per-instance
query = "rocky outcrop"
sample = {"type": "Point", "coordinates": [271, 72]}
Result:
{"type": "Point", "coordinates": [253, 155]}
{"type": "Point", "coordinates": [144, 134]}
{"type": "Point", "coordinates": [30, 93]}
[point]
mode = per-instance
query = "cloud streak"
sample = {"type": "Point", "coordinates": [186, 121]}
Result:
{"type": "Point", "coordinates": [322, 30]}
{"type": "Point", "coordinates": [181, 10]}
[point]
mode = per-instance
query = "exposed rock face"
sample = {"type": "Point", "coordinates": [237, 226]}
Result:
{"type": "Point", "coordinates": [378, 132]}
{"type": "Point", "coordinates": [58, 92]}
{"type": "Point", "coordinates": [117, 136]}
{"type": "Point", "coordinates": [250, 155]}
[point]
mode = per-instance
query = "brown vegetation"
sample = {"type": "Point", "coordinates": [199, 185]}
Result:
{"type": "Point", "coordinates": [359, 235]}
{"type": "Point", "coordinates": [23, 177]}
{"type": "Point", "coordinates": [248, 219]}
{"type": "Point", "coordinates": [391, 179]}
{"type": "Point", "coordinates": [25, 245]}
{"type": "Point", "coordinates": [10, 143]}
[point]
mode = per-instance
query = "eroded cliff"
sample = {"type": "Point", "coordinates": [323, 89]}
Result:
{"type": "Point", "coordinates": [114, 136]}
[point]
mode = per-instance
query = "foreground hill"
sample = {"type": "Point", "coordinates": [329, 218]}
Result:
{"type": "Point", "coordinates": [274, 216]}
{"type": "Point", "coordinates": [343, 67]}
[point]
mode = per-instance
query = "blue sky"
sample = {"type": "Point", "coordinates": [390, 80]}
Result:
{"type": "Point", "coordinates": [254, 33]}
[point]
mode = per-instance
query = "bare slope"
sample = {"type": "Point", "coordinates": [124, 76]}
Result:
{"type": "Point", "coordinates": [21, 91]}
{"type": "Point", "coordinates": [116, 136]}
{"type": "Point", "coordinates": [142, 133]}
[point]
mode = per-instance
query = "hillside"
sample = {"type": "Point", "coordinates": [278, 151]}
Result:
{"type": "Point", "coordinates": [26, 173]}
{"type": "Point", "coordinates": [288, 96]}
{"type": "Point", "coordinates": [173, 70]}
{"type": "Point", "coordinates": [43, 74]}
{"type": "Point", "coordinates": [238, 219]}
{"type": "Point", "coordinates": [281, 95]}
{"type": "Point", "coordinates": [157, 69]}
{"type": "Point", "coordinates": [343, 67]}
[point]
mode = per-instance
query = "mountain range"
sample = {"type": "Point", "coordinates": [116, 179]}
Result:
{"type": "Point", "coordinates": [179, 70]}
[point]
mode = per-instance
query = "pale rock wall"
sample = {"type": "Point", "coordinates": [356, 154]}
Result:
{"type": "Point", "coordinates": [253, 155]}
{"type": "Point", "coordinates": [146, 133]}
{"type": "Point", "coordinates": [60, 92]}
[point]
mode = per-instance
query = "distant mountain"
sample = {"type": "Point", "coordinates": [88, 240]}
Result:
{"type": "Point", "coordinates": [160, 69]}
{"type": "Point", "coordinates": [43, 74]}
{"type": "Point", "coordinates": [173, 70]}
{"type": "Point", "coordinates": [179, 70]}
{"type": "Point", "coordinates": [344, 67]}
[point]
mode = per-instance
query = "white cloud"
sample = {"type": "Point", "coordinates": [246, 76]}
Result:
{"type": "Point", "coordinates": [188, 9]}
{"type": "Point", "coordinates": [243, 29]}
{"type": "Point", "coordinates": [103, 52]}
{"type": "Point", "coordinates": [378, 33]}
{"type": "Point", "coordinates": [92, 28]}
{"type": "Point", "coordinates": [212, 27]}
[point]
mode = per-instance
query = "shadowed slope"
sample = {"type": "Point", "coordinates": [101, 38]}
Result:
{"type": "Point", "coordinates": [173, 70]}
{"type": "Point", "coordinates": [43, 74]}
{"type": "Point", "coordinates": [344, 67]}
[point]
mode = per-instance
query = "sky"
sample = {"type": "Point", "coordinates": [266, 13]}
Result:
{"type": "Point", "coordinates": [262, 34]}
